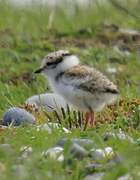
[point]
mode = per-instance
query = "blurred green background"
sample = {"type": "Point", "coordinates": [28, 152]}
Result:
{"type": "Point", "coordinates": [104, 34]}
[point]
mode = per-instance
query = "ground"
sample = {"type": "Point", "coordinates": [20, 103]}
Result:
{"type": "Point", "coordinates": [26, 35]}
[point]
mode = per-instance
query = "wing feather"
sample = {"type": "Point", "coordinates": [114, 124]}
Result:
{"type": "Point", "coordinates": [88, 79]}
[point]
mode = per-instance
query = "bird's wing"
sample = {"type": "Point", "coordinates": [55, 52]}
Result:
{"type": "Point", "coordinates": [88, 79]}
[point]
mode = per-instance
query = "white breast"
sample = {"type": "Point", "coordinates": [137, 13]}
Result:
{"type": "Point", "coordinates": [82, 100]}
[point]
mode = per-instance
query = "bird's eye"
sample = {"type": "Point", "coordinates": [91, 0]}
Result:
{"type": "Point", "coordinates": [54, 63]}
{"type": "Point", "coordinates": [49, 63]}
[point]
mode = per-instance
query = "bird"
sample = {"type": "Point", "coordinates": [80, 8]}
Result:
{"type": "Point", "coordinates": [82, 86]}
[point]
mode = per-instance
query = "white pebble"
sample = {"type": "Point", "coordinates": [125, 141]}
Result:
{"type": "Point", "coordinates": [56, 153]}
{"type": "Point", "coordinates": [108, 151]}
{"type": "Point", "coordinates": [100, 154]}
{"type": "Point", "coordinates": [94, 176]}
{"type": "Point", "coordinates": [125, 177]}
{"type": "Point", "coordinates": [50, 101]}
{"type": "Point", "coordinates": [111, 70]}
{"type": "Point", "coordinates": [26, 151]}
{"type": "Point", "coordinates": [49, 127]}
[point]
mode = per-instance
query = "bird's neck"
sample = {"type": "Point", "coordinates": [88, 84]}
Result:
{"type": "Point", "coordinates": [68, 63]}
{"type": "Point", "coordinates": [59, 75]}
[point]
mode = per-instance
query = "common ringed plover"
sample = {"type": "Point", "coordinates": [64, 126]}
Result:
{"type": "Point", "coordinates": [82, 86]}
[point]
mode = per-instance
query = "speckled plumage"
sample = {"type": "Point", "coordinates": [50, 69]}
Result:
{"type": "Point", "coordinates": [89, 79]}
{"type": "Point", "coordinates": [84, 87]}
{"type": "Point", "coordinates": [54, 57]}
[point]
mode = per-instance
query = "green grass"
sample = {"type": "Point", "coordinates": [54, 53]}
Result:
{"type": "Point", "coordinates": [26, 36]}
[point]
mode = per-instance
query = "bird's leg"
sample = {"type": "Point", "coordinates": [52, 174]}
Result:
{"type": "Point", "coordinates": [92, 119]}
{"type": "Point", "coordinates": [89, 119]}
{"type": "Point", "coordinates": [86, 120]}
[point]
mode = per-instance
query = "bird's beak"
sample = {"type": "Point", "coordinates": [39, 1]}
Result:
{"type": "Point", "coordinates": [39, 70]}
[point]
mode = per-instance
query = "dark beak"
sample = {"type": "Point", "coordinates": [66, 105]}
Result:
{"type": "Point", "coordinates": [39, 70]}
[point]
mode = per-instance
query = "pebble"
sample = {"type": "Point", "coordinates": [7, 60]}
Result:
{"type": "Point", "coordinates": [55, 153]}
{"type": "Point", "coordinates": [6, 148]}
{"type": "Point", "coordinates": [93, 167]}
{"type": "Point", "coordinates": [77, 146]}
{"type": "Point", "coordinates": [120, 51]}
{"type": "Point", "coordinates": [125, 177]}
{"type": "Point", "coordinates": [111, 70]}
{"type": "Point", "coordinates": [95, 176]}
{"type": "Point", "coordinates": [20, 171]}
{"type": "Point", "coordinates": [81, 141]}
{"type": "Point", "coordinates": [101, 154]}
{"type": "Point", "coordinates": [121, 135]}
{"type": "Point", "coordinates": [74, 150]}
{"type": "Point", "coordinates": [49, 127]}
{"type": "Point", "coordinates": [78, 151]}
{"type": "Point", "coordinates": [17, 116]}
{"type": "Point", "coordinates": [50, 101]}
{"type": "Point", "coordinates": [26, 151]}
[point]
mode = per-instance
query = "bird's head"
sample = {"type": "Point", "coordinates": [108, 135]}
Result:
{"type": "Point", "coordinates": [57, 62]}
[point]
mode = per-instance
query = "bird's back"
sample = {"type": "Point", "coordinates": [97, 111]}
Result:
{"type": "Point", "coordinates": [88, 79]}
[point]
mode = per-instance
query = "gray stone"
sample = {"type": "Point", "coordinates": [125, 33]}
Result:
{"type": "Point", "coordinates": [95, 176]}
{"type": "Point", "coordinates": [80, 141]}
{"type": "Point", "coordinates": [49, 127]}
{"type": "Point", "coordinates": [93, 167]}
{"type": "Point", "coordinates": [16, 116]}
{"type": "Point", "coordinates": [101, 154]}
{"type": "Point", "coordinates": [125, 177]}
{"type": "Point", "coordinates": [121, 135]}
{"type": "Point", "coordinates": [50, 101]}
{"type": "Point", "coordinates": [78, 151]}
{"type": "Point", "coordinates": [19, 171]}
{"type": "Point", "coordinates": [55, 153]}
{"type": "Point", "coordinates": [6, 148]}
{"type": "Point", "coordinates": [26, 151]}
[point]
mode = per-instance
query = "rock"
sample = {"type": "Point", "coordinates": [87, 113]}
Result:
{"type": "Point", "coordinates": [81, 141]}
{"type": "Point", "coordinates": [78, 151]}
{"type": "Point", "coordinates": [122, 51]}
{"type": "Point", "coordinates": [74, 150]}
{"type": "Point", "coordinates": [77, 146]}
{"type": "Point", "coordinates": [51, 126]}
{"type": "Point", "coordinates": [111, 70]}
{"type": "Point", "coordinates": [121, 135]}
{"type": "Point", "coordinates": [95, 176]}
{"type": "Point", "coordinates": [93, 167]}
{"type": "Point", "coordinates": [26, 151]}
{"type": "Point", "coordinates": [5, 146]}
{"type": "Point", "coordinates": [108, 136]}
{"type": "Point", "coordinates": [20, 171]}
{"type": "Point", "coordinates": [125, 177]}
{"type": "Point", "coordinates": [101, 154]}
{"type": "Point", "coordinates": [6, 149]}
{"type": "Point", "coordinates": [50, 101]}
{"type": "Point", "coordinates": [55, 153]}
{"type": "Point", "coordinates": [16, 116]}
{"type": "Point", "coordinates": [117, 158]}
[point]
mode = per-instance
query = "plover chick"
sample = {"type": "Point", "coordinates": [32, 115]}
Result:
{"type": "Point", "coordinates": [82, 86]}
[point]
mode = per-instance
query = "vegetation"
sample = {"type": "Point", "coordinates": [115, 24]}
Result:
{"type": "Point", "coordinates": [26, 35]}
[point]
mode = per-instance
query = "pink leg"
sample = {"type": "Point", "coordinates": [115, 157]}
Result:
{"type": "Point", "coordinates": [92, 119]}
{"type": "Point", "coordinates": [89, 119]}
